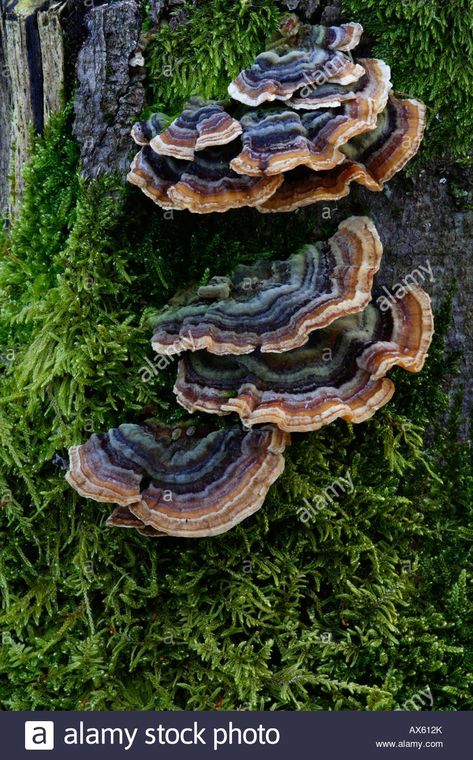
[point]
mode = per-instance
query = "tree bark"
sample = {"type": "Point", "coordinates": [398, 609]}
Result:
{"type": "Point", "coordinates": [31, 86]}
{"type": "Point", "coordinates": [111, 93]}
{"type": "Point", "coordinates": [420, 225]}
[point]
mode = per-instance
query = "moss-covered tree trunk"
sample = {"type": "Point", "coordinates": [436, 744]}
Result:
{"type": "Point", "coordinates": [94, 56]}
{"type": "Point", "coordinates": [361, 609]}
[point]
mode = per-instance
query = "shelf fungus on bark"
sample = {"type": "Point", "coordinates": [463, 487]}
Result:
{"type": "Point", "coordinates": [291, 29]}
{"type": "Point", "coordinates": [179, 481]}
{"type": "Point", "coordinates": [307, 122]}
{"type": "Point", "coordinates": [208, 184]}
{"type": "Point", "coordinates": [201, 125]}
{"type": "Point", "coordinates": [395, 140]}
{"type": "Point", "coordinates": [277, 74]}
{"type": "Point", "coordinates": [279, 140]}
{"type": "Point", "coordinates": [339, 372]}
{"type": "Point", "coordinates": [371, 160]}
{"type": "Point", "coordinates": [345, 37]}
{"type": "Point", "coordinates": [275, 305]}
{"type": "Point", "coordinates": [205, 185]}
{"type": "Point", "coordinates": [375, 85]}
{"type": "Point", "coordinates": [156, 175]}
{"type": "Point", "coordinates": [302, 55]}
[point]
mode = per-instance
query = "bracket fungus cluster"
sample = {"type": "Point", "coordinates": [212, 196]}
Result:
{"type": "Point", "coordinates": [339, 372]}
{"type": "Point", "coordinates": [289, 346]}
{"type": "Point", "coordinates": [315, 357]}
{"type": "Point", "coordinates": [304, 121]}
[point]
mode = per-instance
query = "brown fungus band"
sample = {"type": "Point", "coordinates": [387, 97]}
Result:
{"type": "Point", "coordinates": [179, 481]}
{"type": "Point", "coordinates": [303, 122]}
{"type": "Point", "coordinates": [275, 305]}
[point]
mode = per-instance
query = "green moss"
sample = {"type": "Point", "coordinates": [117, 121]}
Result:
{"type": "Point", "coordinates": [429, 45]}
{"type": "Point", "coordinates": [202, 56]}
{"type": "Point", "coordinates": [359, 610]}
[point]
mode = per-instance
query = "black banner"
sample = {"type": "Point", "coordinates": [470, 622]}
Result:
{"type": "Point", "coordinates": [278, 735]}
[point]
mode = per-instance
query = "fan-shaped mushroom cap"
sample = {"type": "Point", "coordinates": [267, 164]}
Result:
{"type": "Point", "coordinates": [201, 125]}
{"type": "Point", "coordinates": [179, 482]}
{"type": "Point", "coordinates": [277, 74]}
{"type": "Point", "coordinates": [278, 140]}
{"type": "Point", "coordinates": [155, 175]}
{"type": "Point", "coordinates": [371, 160]}
{"type": "Point", "coordinates": [302, 187]}
{"type": "Point", "coordinates": [344, 37]}
{"type": "Point", "coordinates": [202, 186]}
{"type": "Point", "coordinates": [294, 32]}
{"type": "Point", "coordinates": [339, 372]}
{"type": "Point", "coordinates": [208, 184]}
{"type": "Point", "coordinates": [375, 85]}
{"type": "Point", "coordinates": [396, 139]}
{"type": "Point", "coordinates": [276, 305]}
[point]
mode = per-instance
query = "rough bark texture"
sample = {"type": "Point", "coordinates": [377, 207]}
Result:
{"type": "Point", "coordinates": [31, 85]}
{"type": "Point", "coordinates": [419, 220]}
{"type": "Point", "coordinates": [52, 60]}
{"type": "Point", "coordinates": [159, 7]}
{"type": "Point", "coordinates": [303, 7]}
{"type": "Point", "coordinates": [111, 93]}
{"type": "Point", "coordinates": [421, 223]}
{"type": "Point", "coordinates": [5, 121]}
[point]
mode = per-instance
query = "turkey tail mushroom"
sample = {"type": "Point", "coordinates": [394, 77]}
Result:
{"type": "Point", "coordinates": [275, 305]}
{"type": "Point", "coordinates": [307, 121]}
{"type": "Point", "coordinates": [179, 481]}
{"type": "Point", "coordinates": [339, 372]}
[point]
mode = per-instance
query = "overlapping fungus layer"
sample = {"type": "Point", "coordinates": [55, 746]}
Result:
{"type": "Point", "coordinates": [339, 372]}
{"type": "Point", "coordinates": [290, 345]}
{"type": "Point", "coordinates": [179, 481]}
{"type": "Point", "coordinates": [303, 122]}
{"type": "Point", "coordinates": [275, 305]}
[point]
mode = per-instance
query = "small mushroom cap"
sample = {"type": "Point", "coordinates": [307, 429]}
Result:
{"type": "Point", "coordinates": [201, 125]}
{"type": "Point", "coordinates": [143, 131]}
{"type": "Point", "coordinates": [195, 486]}
{"type": "Point", "coordinates": [156, 175]}
{"type": "Point", "coordinates": [123, 517]}
{"type": "Point", "coordinates": [277, 74]}
{"type": "Point", "coordinates": [375, 84]}
{"type": "Point", "coordinates": [293, 32]}
{"type": "Point", "coordinates": [344, 37]}
{"type": "Point", "coordinates": [209, 184]}
{"type": "Point", "coordinates": [276, 305]}
{"type": "Point", "coordinates": [339, 372]}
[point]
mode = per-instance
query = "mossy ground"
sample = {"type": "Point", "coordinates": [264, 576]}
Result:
{"type": "Point", "coordinates": [363, 608]}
